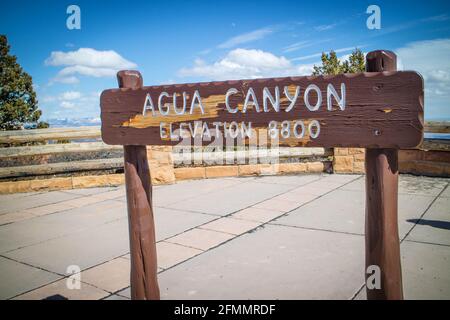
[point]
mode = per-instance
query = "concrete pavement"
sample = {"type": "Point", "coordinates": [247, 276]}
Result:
{"type": "Point", "coordinates": [272, 237]}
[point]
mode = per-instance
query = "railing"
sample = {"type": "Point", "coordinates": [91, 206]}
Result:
{"type": "Point", "coordinates": [66, 151]}
{"type": "Point", "coordinates": [53, 151]}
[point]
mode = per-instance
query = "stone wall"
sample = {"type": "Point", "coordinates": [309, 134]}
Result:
{"type": "Point", "coordinates": [348, 160]}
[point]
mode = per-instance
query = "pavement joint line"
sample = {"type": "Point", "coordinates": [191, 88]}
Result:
{"type": "Point", "coordinates": [316, 229]}
{"type": "Point", "coordinates": [424, 212]}
{"type": "Point", "coordinates": [410, 230]}
{"type": "Point", "coordinates": [357, 292]}
{"type": "Point", "coordinates": [207, 192]}
{"type": "Point", "coordinates": [47, 214]}
{"type": "Point", "coordinates": [63, 276]}
{"type": "Point", "coordinates": [184, 210]}
{"type": "Point", "coordinates": [166, 239]}
{"type": "Point", "coordinates": [47, 204]}
{"type": "Point", "coordinates": [413, 241]}
{"type": "Point", "coordinates": [62, 236]}
{"type": "Point", "coordinates": [251, 230]}
{"type": "Point", "coordinates": [70, 191]}
{"type": "Point", "coordinates": [231, 213]}
{"type": "Point", "coordinates": [185, 245]}
{"type": "Point", "coordinates": [30, 265]}
{"type": "Point", "coordinates": [429, 243]}
{"type": "Point", "coordinates": [243, 182]}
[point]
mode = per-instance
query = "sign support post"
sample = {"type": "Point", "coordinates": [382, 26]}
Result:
{"type": "Point", "coordinates": [381, 229]}
{"type": "Point", "coordinates": [143, 278]}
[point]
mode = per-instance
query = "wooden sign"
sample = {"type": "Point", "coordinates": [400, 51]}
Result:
{"type": "Point", "coordinates": [377, 110]}
{"type": "Point", "coordinates": [381, 110]}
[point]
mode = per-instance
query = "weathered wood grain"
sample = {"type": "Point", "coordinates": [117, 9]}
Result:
{"type": "Point", "coordinates": [383, 109]}
{"type": "Point", "coordinates": [61, 167]}
{"type": "Point", "coordinates": [143, 275]}
{"type": "Point", "coordinates": [24, 136]}
{"type": "Point", "coordinates": [381, 236]}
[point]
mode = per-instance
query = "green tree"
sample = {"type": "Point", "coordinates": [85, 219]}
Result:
{"type": "Point", "coordinates": [18, 103]}
{"type": "Point", "coordinates": [331, 65]}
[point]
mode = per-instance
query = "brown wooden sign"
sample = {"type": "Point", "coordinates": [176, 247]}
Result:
{"type": "Point", "coordinates": [381, 110]}
{"type": "Point", "coordinates": [378, 110]}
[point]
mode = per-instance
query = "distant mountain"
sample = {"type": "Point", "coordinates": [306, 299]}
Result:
{"type": "Point", "coordinates": [72, 122]}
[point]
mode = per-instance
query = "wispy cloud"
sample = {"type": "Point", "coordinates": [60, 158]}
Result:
{"type": "Point", "coordinates": [409, 25]}
{"type": "Point", "coordinates": [297, 46]}
{"type": "Point", "coordinates": [318, 54]}
{"type": "Point", "coordinates": [303, 44]}
{"type": "Point", "coordinates": [246, 37]}
{"type": "Point", "coordinates": [438, 18]}
{"type": "Point", "coordinates": [325, 27]}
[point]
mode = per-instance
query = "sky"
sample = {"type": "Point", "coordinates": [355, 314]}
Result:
{"type": "Point", "coordinates": [190, 41]}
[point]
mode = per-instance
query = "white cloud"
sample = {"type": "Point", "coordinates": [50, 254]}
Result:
{"type": "Point", "coordinates": [297, 46]}
{"type": "Point", "coordinates": [65, 80]}
{"type": "Point", "coordinates": [70, 95]}
{"type": "Point", "coordinates": [325, 27]}
{"type": "Point", "coordinates": [246, 37]}
{"type": "Point", "coordinates": [246, 63]}
{"type": "Point", "coordinates": [303, 44]}
{"type": "Point", "coordinates": [88, 62]}
{"type": "Point", "coordinates": [67, 105]}
{"type": "Point", "coordinates": [430, 59]}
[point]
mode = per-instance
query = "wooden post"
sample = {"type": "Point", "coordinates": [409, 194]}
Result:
{"type": "Point", "coordinates": [382, 240]}
{"type": "Point", "coordinates": [143, 278]}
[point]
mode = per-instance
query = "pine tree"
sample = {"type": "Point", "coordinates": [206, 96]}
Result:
{"type": "Point", "coordinates": [331, 65]}
{"type": "Point", "coordinates": [18, 103]}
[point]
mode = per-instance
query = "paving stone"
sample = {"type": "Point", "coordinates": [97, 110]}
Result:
{"type": "Point", "coordinates": [110, 276]}
{"type": "Point", "coordinates": [434, 227]}
{"type": "Point", "coordinates": [296, 180]}
{"type": "Point", "coordinates": [16, 278]}
{"type": "Point", "coordinates": [424, 271]}
{"type": "Point", "coordinates": [295, 197]}
{"type": "Point", "coordinates": [170, 254]}
{"type": "Point", "coordinates": [184, 190]}
{"type": "Point", "coordinates": [33, 231]}
{"type": "Point", "coordinates": [257, 214]}
{"type": "Point", "coordinates": [407, 185]}
{"type": "Point", "coordinates": [277, 204]}
{"type": "Point", "coordinates": [83, 201]}
{"type": "Point", "coordinates": [230, 225]}
{"type": "Point", "coordinates": [91, 191]}
{"type": "Point", "coordinates": [228, 200]}
{"type": "Point", "coordinates": [110, 195]}
{"type": "Point", "coordinates": [446, 192]}
{"type": "Point", "coordinates": [344, 211]}
{"type": "Point", "coordinates": [341, 178]}
{"type": "Point", "coordinates": [110, 239]}
{"type": "Point", "coordinates": [115, 297]}
{"type": "Point", "coordinates": [36, 200]}
{"type": "Point", "coordinates": [201, 239]}
{"type": "Point", "coordinates": [49, 208]}
{"type": "Point", "coordinates": [272, 263]}
{"type": "Point", "coordinates": [424, 186]}
{"type": "Point", "coordinates": [165, 221]}
{"type": "Point", "coordinates": [15, 216]}
{"type": "Point", "coordinates": [126, 293]}
{"type": "Point", "coordinates": [59, 291]}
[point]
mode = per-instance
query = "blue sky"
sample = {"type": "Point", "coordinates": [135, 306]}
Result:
{"type": "Point", "coordinates": [186, 41]}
